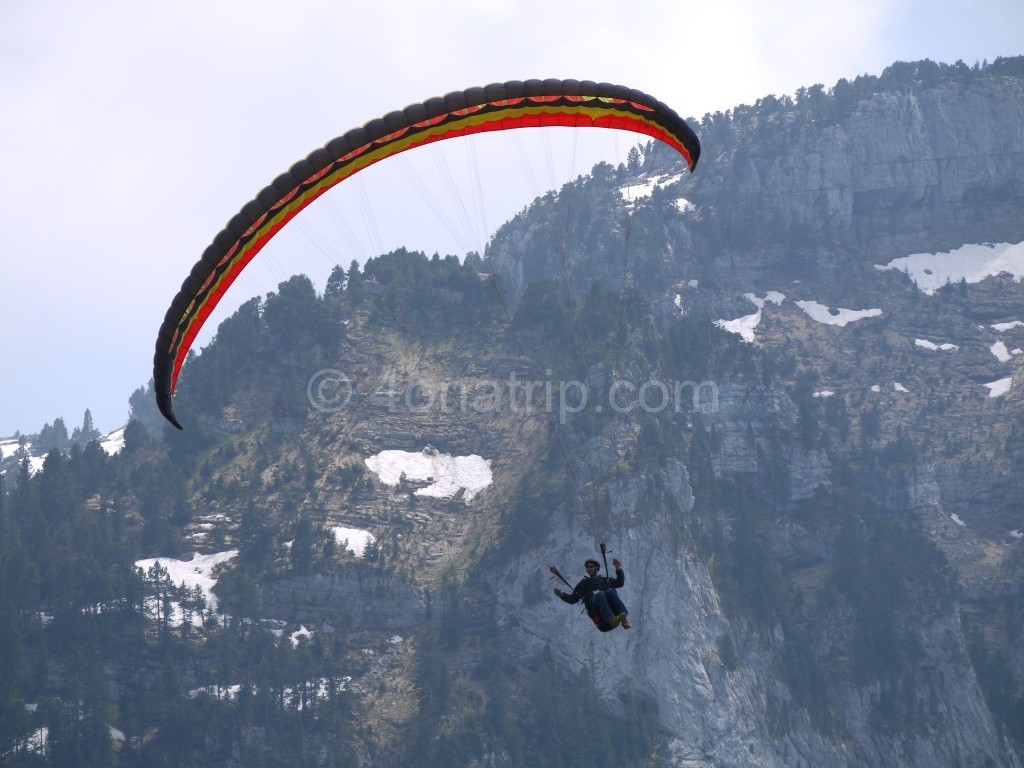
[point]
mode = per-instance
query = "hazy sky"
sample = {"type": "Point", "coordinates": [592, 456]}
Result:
{"type": "Point", "coordinates": [132, 131]}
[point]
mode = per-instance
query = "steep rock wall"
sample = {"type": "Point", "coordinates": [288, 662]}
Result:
{"type": "Point", "coordinates": [361, 596]}
{"type": "Point", "coordinates": [722, 717]}
{"type": "Point", "coordinates": [928, 168]}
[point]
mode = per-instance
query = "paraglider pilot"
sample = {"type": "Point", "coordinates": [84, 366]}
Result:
{"type": "Point", "coordinates": [603, 604]}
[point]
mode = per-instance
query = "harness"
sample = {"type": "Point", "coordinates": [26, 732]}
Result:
{"type": "Point", "coordinates": [592, 614]}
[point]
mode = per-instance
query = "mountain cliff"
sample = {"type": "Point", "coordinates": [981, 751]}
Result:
{"type": "Point", "coordinates": [868, 239]}
{"type": "Point", "coordinates": [784, 390]}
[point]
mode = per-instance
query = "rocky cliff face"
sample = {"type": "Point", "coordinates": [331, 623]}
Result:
{"type": "Point", "coordinates": [723, 717]}
{"type": "Point", "coordinates": [810, 205]}
{"type": "Point", "coordinates": [868, 381]}
{"type": "Point", "coordinates": [931, 168]}
{"type": "Point", "coordinates": [359, 597]}
{"type": "Point", "coordinates": [923, 168]}
{"type": "Point", "coordinates": [785, 191]}
{"type": "Point", "coordinates": [723, 711]}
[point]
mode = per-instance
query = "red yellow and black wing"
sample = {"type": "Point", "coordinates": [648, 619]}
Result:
{"type": "Point", "coordinates": [496, 107]}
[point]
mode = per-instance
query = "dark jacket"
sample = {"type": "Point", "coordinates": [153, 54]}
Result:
{"type": "Point", "coordinates": [588, 585]}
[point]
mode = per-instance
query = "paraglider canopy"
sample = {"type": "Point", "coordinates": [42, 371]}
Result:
{"type": "Point", "coordinates": [499, 106]}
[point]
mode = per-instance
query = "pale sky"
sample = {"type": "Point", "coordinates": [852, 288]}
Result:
{"type": "Point", "coordinates": [132, 131]}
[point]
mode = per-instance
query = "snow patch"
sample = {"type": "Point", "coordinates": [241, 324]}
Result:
{"type": "Point", "coordinates": [841, 317]}
{"type": "Point", "coordinates": [824, 393]}
{"type": "Point", "coordinates": [744, 326]}
{"type": "Point", "coordinates": [772, 296]}
{"type": "Point", "coordinates": [8, 446]}
{"type": "Point", "coordinates": [354, 539]}
{"type": "Point", "coordinates": [197, 572]}
{"type": "Point", "coordinates": [446, 474]}
{"type": "Point", "coordinates": [1002, 354]}
{"type": "Point", "coordinates": [634, 192]}
{"type": "Point", "coordinates": [971, 262]}
{"type": "Point", "coordinates": [1000, 327]}
{"type": "Point", "coordinates": [113, 442]}
{"type": "Point", "coordinates": [299, 634]}
{"type": "Point", "coordinates": [956, 519]}
{"type": "Point", "coordinates": [219, 692]}
{"type": "Point", "coordinates": [935, 347]}
{"type": "Point", "coordinates": [899, 387]}
{"type": "Point", "coordinates": [999, 387]}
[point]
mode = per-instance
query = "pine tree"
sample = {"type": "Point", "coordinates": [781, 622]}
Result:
{"type": "Point", "coordinates": [86, 432]}
{"type": "Point", "coordinates": [354, 283]}
{"type": "Point", "coordinates": [53, 436]}
{"type": "Point", "coordinates": [335, 283]}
